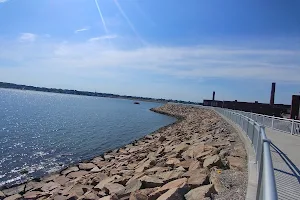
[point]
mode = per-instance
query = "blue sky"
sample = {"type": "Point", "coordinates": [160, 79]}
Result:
{"type": "Point", "coordinates": [171, 49]}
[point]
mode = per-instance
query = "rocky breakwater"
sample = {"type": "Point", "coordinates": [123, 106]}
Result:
{"type": "Point", "coordinates": [198, 157]}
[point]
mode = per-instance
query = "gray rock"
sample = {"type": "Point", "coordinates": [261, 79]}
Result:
{"type": "Point", "coordinates": [151, 181]}
{"type": "Point", "coordinates": [236, 163]}
{"type": "Point", "coordinates": [142, 194]}
{"type": "Point", "coordinates": [68, 170]}
{"type": "Point", "coordinates": [179, 183]}
{"type": "Point", "coordinates": [133, 186]}
{"type": "Point", "coordinates": [173, 194]}
{"type": "Point", "coordinates": [50, 186]}
{"type": "Point", "coordinates": [14, 190]}
{"type": "Point", "coordinates": [197, 180]}
{"type": "Point", "coordinates": [86, 166]}
{"type": "Point", "coordinates": [200, 192]}
{"type": "Point", "coordinates": [77, 174]}
{"type": "Point", "coordinates": [13, 197]}
{"type": "Point", "coordinates": [170, 175]}
{"type": "Point", "coordinates": [172, 161]}
{"type": "Point", "coordinates": [213, 161]}
{"type": "Point", "coordinates": [2, 195]}
{"type": "Point", "coordinates": [114, 188]}
{"type": "Point", "coordinates": [161, 138]}
{"type": "Point", "coordinates": [62, 180]}
{"type": "Point", "coordinates": [194, 165]}
{"type": "Point", "coordinates": [106, 181]}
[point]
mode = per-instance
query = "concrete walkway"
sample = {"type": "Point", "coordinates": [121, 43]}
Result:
{"type": "Point", "coordinates": [285, 149]}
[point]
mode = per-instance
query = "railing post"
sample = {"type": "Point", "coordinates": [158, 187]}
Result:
{"type": "Point", "coordinates": [292, 128]}
{"type": "Point", "coordinates": [248, 122]}
{"type": "Point", "coordinates": [272, 121]}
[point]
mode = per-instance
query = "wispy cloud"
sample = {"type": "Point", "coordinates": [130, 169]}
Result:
{"type": "Point", "coordinates": [27, 37]}
{"type": "Point", "coordinates": [82, 29]}
{"type": "Point", "coordinates": [190, 62]}
{"type": "Point", "coordinates": [104, 37]}
{"type": "Point", "coordinates": [3, 1]}
{"type": "Point", "coordinates": [93, 61]}
{"type": "Point", "coordinates": [129, 22]}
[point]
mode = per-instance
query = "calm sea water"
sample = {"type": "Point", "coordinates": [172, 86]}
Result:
{"type": "Point", "coordinates": [43, 132]}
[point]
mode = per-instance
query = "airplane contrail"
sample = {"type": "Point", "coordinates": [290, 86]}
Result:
{"type": "Point", "coordinates": [128, 21]}
{"type": "Point", "coordinates": [101, 16]}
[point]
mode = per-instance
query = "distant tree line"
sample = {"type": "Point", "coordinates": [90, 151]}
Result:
{"type": "Point", "coordinates": [86, 93]}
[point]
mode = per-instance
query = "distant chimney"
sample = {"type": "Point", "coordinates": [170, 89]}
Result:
{"type": "Point", "coordinates": [272, 98]}
{"type": "Point", "coordinates": [213, 96]}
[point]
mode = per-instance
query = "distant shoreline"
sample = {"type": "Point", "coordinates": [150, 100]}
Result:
{"type": "Point", "coordinates": [86, 93]}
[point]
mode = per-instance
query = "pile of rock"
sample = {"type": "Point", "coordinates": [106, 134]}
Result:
{"type": "Point", "coordinates": [199, 157]}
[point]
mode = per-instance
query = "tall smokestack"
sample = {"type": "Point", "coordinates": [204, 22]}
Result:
{"type": "Point", "coordinates": [213, 95]}
{"type": "Point", "coordinates": [272, 98]}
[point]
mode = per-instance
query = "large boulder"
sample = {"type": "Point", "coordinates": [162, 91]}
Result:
{"type": "Point", "coordinates": [113, 188]}
{"type": "Point", "coordinates": [235, 163]}
{"type": "Point", "coordinates": [86, 166]}
{"type": "Point", "coordinates": [185, 164]}
{"type": "Point", "coordinates": [173, 194]}
{"type": "Point", "coordinates": [172, 161]}
{"type": "Point", "coordinates": [2, 195]}
{"type": "Point", "coordinates": [157, 169]}
{"type": "Point", "coordinates": [77, 174]}
{"type": "Point", "coordinates": [170, 175]}
{"type": "Point", "coordinates": [193, 151]}
{"type": "Point", "coordinates": [68, 170]}
{"type": "Point", "coordinates": [151, 181]}
{"type": "Point", "coordinates": [13, 197]}
{"type": "Point", "coordinates": [213, 161]}
{"type": "Point", "coordinates": [78, 190]}
{"type": "Point", "coordinates": [95, 169]}
{"type": "Point", "coordinates": [200, 192]}
{"type": "Point", "coordinates": [142, 194]}
{"type": "Point", "coordinates": [144, 165]}
{"type": "Point", "coordinates": [106, 181]}
{"type": "Point", "coordinates": [50, 186]}
{"type": "Point", "coordinates": [197, 180]}
{"type": "Point", "coordinates": [62, 180]}
{"type": "Point", "coordinates": [181, 147]}
{"type": "Point", "coordinates": [133, 186]}
{"type": "Point", "coordinates": [194, 165]}
{"type": "Point", "coordinates": [14, 190]}
{"type": "Point", "coordinates": [179, 183]}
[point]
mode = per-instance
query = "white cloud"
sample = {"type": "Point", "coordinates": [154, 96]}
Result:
{"type": "Point", "coordinates": [3, 1]}
{"type": "Point", "coordinates": [27, 37]}
{"type": "Point", "coordinates": [104, 37]}
{"type": "Point", "coordinates": [82, 29]}
{"type": "Point", "coordinates": [190, 62]}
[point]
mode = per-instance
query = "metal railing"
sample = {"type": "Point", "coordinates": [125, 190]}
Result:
{"type": "Point", "coordinates": [281, 124]}
{"type": "Point", "coordinates": [266, 189]}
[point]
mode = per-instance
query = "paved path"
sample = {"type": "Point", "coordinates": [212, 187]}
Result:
{"type": "Point", "coordinates": [285, 151]}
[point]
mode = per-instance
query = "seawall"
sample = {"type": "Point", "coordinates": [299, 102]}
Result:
{"type": "Point", "coordinates": [199, 156]}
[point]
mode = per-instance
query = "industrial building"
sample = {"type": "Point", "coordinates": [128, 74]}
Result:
{"type": "Point", "coordinates": [272, 109]}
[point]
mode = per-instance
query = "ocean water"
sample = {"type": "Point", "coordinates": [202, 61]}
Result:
{"type": "Point", "coordinates": [43, 132]}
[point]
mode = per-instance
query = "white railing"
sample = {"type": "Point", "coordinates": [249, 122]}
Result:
{"type": "Point", "coordinates": [266, 189]}
{"type": "Point", "coordinates": [281, 124]}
